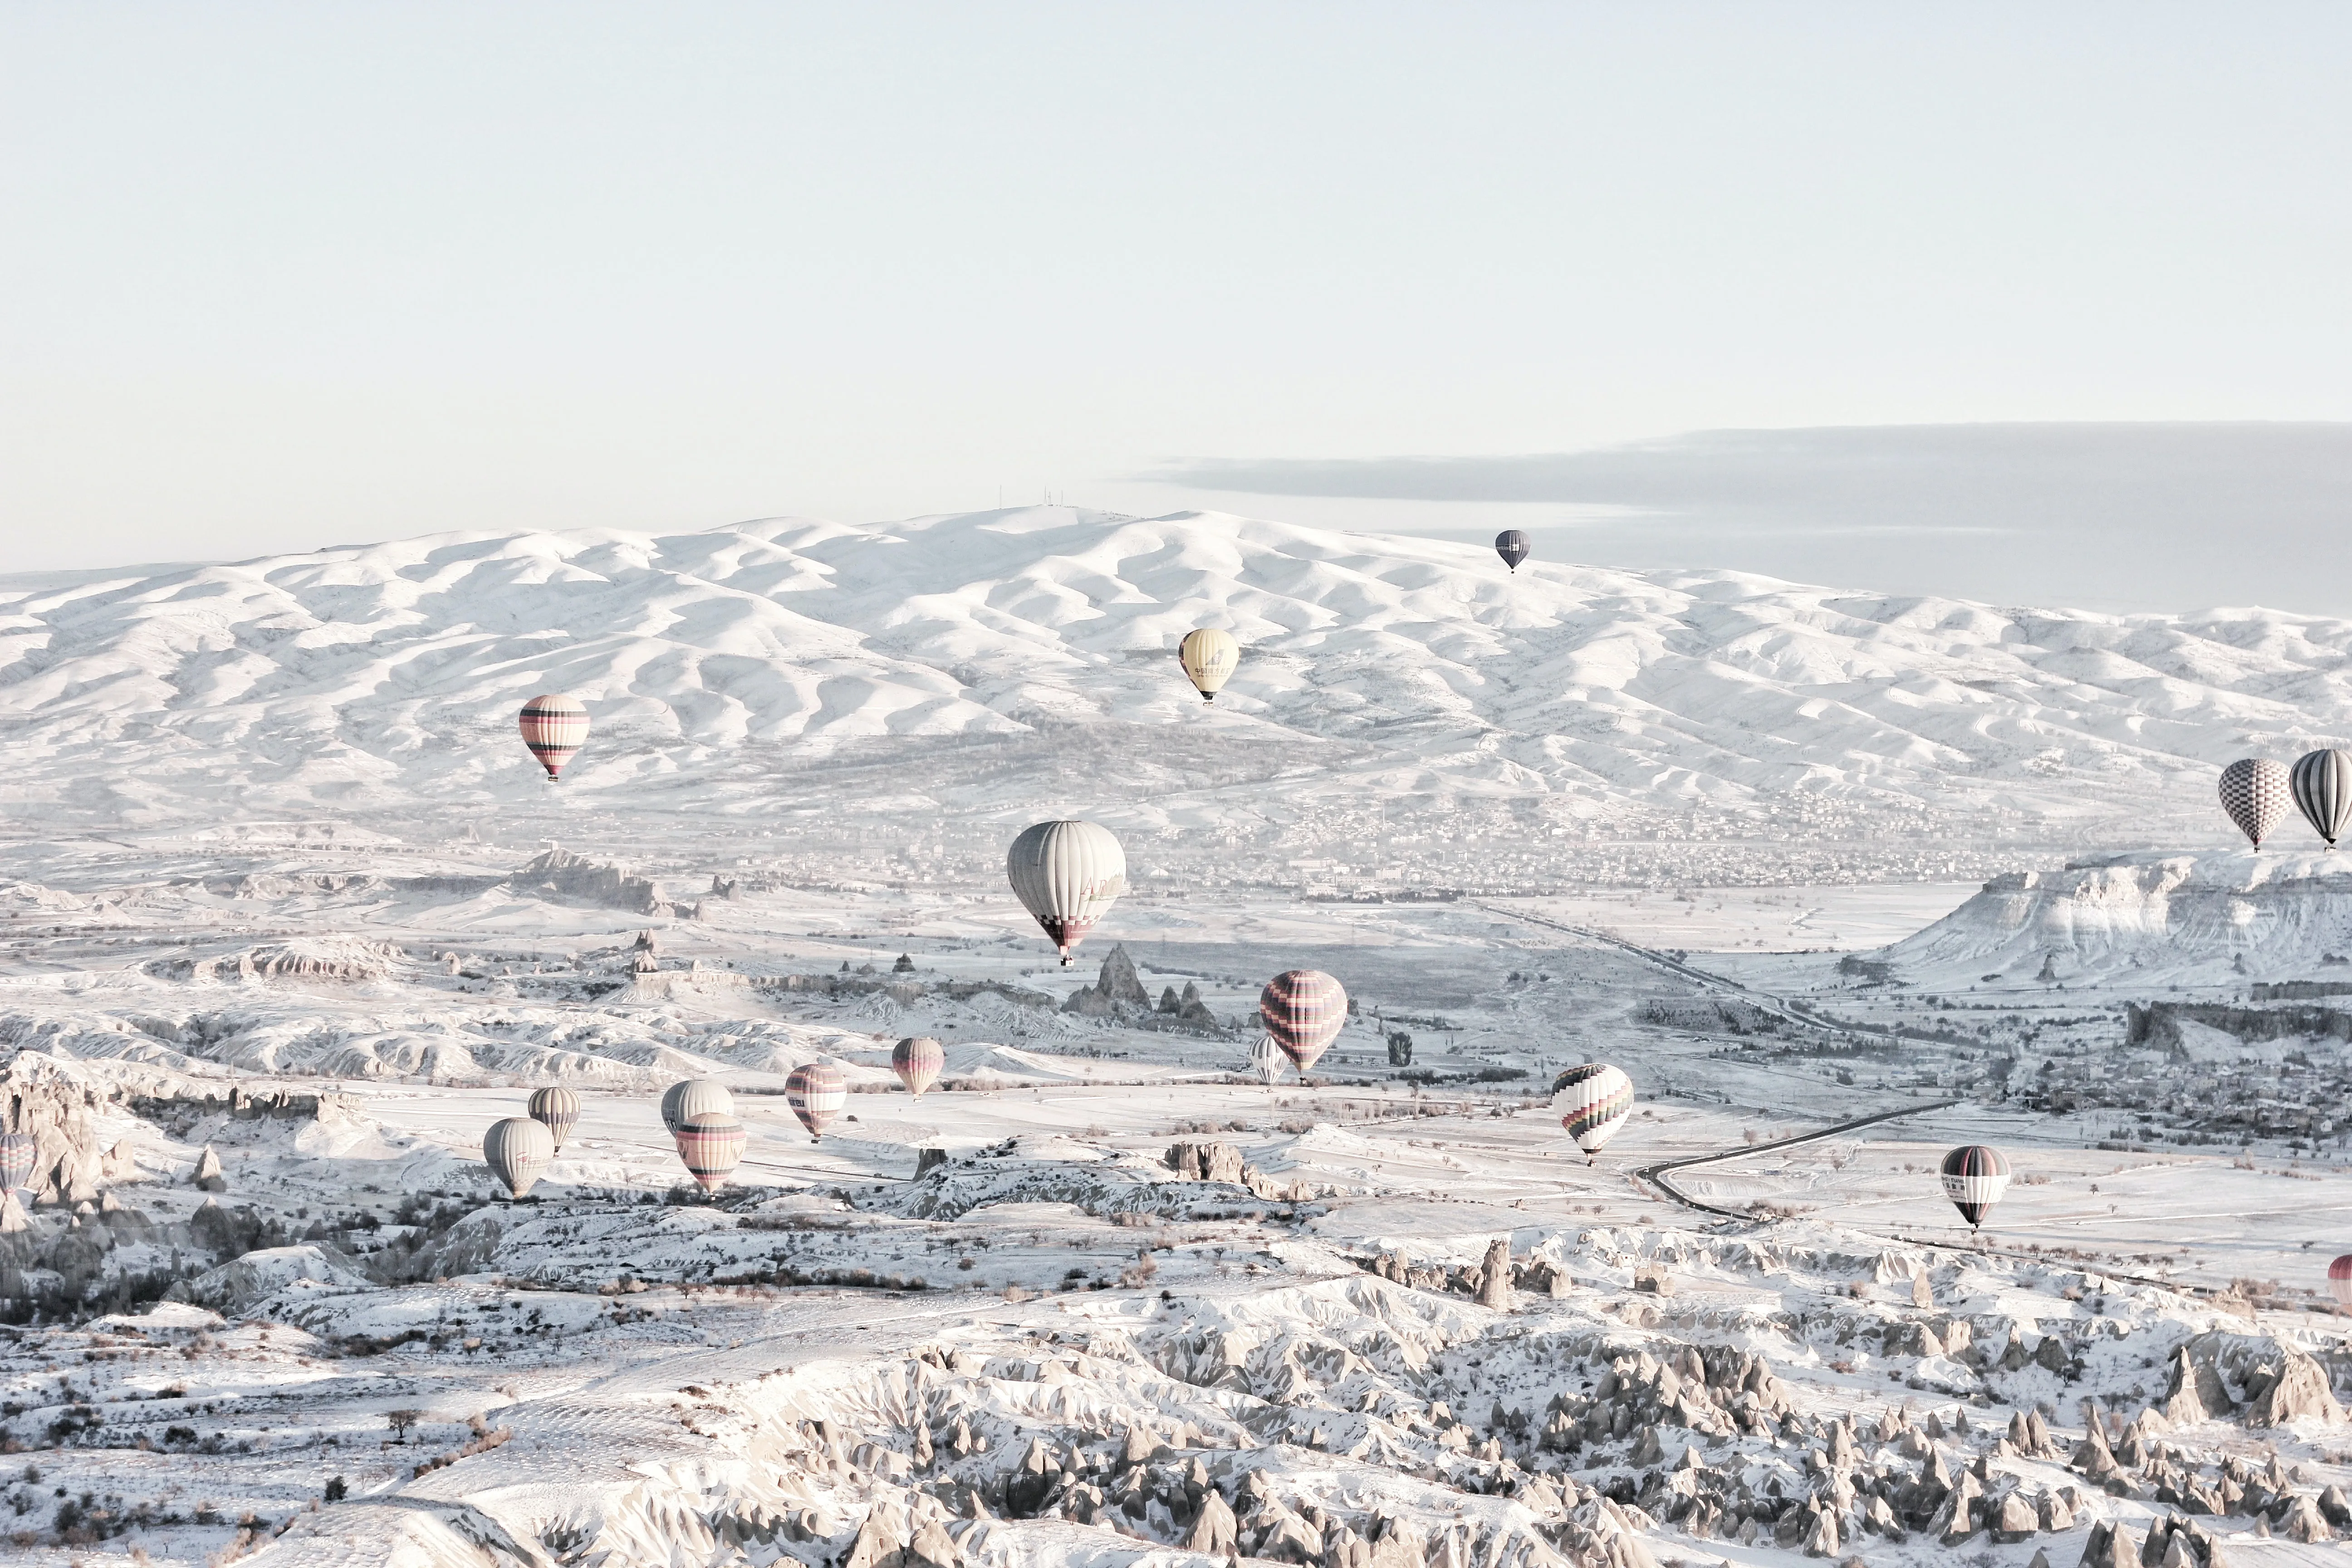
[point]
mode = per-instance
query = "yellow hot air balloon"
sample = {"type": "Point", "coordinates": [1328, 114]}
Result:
{"type": "Point", "coordinates": [1210, 657]}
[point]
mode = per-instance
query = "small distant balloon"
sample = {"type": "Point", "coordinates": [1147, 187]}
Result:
{"type": "Point", "coordinates": [554, 726]}
{"type": "Point", "coordinates": [1210, 657]}
{"type": "Point", "coordinates": [692, 1097]}
{"type": "Point", "coordinates": [2256, 792]}
{"type": "Point", "coordinates": [1513, 547]}
{"type": "Point", "coordinates": [2322, 781]}
{"type": "Point", "coordinates": [1592, 1101]}
{"type": "Point", "coordinates": [1303, 1010]}
{"type": "Point", "coordinates": [1266, 1059]}
{"type": "Point", "coordinates": [17, 1152]}
{"type": "Point", "coordinates": [917, 1062]}
{"type": "Point", "coordinates": [557, 1109]}
{"type": "Point", "coordinates": [517, 1151]}
{"type": "Point", "coordinates": [1067, 875]}
{"type": "Point", "coordinates": [1975, 1177]}
{"type": "Point", "coordinates": [712, 1146]}
{"type": "Point", "coordinates": [816, 1094]}
{"type": "Point", "coordinates": [2339, 1280]}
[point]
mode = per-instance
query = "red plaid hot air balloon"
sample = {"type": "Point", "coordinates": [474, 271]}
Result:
{"type": "Point", "coordinates": [554, 726]}
{"type": "Point", "coordinates": [711, 1144]}
{"type": "Point", "coordinates": [1303, 1010]}
{"type": "Point", "coordinates": [816, 1095]}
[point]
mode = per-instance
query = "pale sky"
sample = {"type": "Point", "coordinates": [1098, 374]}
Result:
{"type": "Point", "coordinates": [284, 276]}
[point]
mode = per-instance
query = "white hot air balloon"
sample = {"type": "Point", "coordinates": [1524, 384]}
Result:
{"type": "Point", "coordinates": [1210, 657]}
{"type": "Point", "coordinates": [517, 1151]}
{"type": "Point", "coordinates": [1266, 1059]}
{"type": "Point", "coordinates": [1067, 875]}
{"type": "Point", "coordinates": [693, 1097]}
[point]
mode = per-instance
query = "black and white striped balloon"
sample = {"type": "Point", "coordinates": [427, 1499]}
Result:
{"type": "Point", "coordinates": [2322, 781]}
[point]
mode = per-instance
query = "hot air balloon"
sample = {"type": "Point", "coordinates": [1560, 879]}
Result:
{"type": "Point", "coordinates": [1067, 874]}
{"type": "Point", "coordinates": [557, 1109]}
{"type": "Point", "coordinates": [554, 726]}
{"type": "Point", "coordinates": [1266, 1058]}
{"type": "Point", "coordinates": [17, 1150]}
{"type": "Point", "coordinates": [1303, 1010]}
{"type": "Point", "coordinates": [2339, 1280]}
{"type": "Point", "coordinates": [518, 1151]}
{"type": "Point", "coordinates": [917, 1062]}
{"type": "Point", "coordinates": [2322, 783]}
{"type": "Point", "coordinates": [1593, 1101]}
{"type": "Point", "coordinates": [816, 1094]}
{"type": "Point", "coordinates": [2254, 792]}
{"type": "Point", "coordinates": [692, 1097]}
{"type": "Point", "coordinates": [711, 1144]}
{"type": "Point", "coordinates": [1209, 657]}
{"type": "Point", "coordinates": [1513, 547]}
{"type": "Point", "coordinates": [1975, 1175]}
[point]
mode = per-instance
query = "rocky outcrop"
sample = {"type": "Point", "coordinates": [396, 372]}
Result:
{"type": "Point", "coordinates": [560, 874]}
{"type": "Point", "coordinates": [39, 1095]}
{"type": "Point", "coordinates": [339, 959]}
{"type": "Point", "coordinates": [1117, 985]}
{"type": "Point", "coordinates": [2294, 1390]}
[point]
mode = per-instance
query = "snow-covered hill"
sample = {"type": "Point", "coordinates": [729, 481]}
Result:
{"type": "Point", "coordinates": [984, 666]}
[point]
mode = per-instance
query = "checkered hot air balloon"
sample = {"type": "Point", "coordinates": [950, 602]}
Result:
{"type": "Point", "coordinates": [2322, 781]}
{"type": "Point", "coordinates": [517, 1151]}
{"type": "Point", "coordinates": [1303, 1009]}
{"type": "Point", "coordinates": [558, 1111]}
{"type": "Point", "coordinates": [711, 1144]}
{"type": "Point", "coordinates": [917, 1062]}
{"type": "Point", "coordinates": [2256, 792]}
{"type": "Point", "coordinates": [554, 726]}
{"type": "Point", "coordinates": [1067, 875]}
{"type": "Point", "coordinates": [1592, 1101]}
{"type": "Point", "coordinates": [2339, 1280]}
{"type": "Point", "coordinates": [692, 1097]}
{"type": "Point", "coordinates": [1975, 1175]}
{"type": "Point", "coordinates": [1210, 657]}
{"type": "Point", "coordinates": [816, 1094]}
{"type": "Point", "coordinates": [1513, 547]}
{"type": "Point", "coordinates": [17, 1152]}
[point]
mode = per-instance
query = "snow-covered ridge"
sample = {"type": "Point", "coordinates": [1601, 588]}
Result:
{"type": "Point", "coordinates": [386, 676]}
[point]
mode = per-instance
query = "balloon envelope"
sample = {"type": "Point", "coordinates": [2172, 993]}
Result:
{"type": "Point", "coordinates": [1513, 547]}
{"type": "Point", "coordinates": [1975, 1175]}
{"type": "Point", "coordinates": [1593, 1101]}
{"type": "Point", "coordinates": [1210, 657]}
{"type": "Point", "coordinates": [1067, 875]}
{"type": "Point", "coordinates": [692, 1097]}
{"type": "Point", "coordinates": [17, 1150]}
{"type": "Point", "coordinates": [2322, 783]}
{"type": "Point", "coordinates": [711, 1144]}
{"type": "Point", "coordinates": [2256, 792]}
{"type": "Point", "coordinates": [517, 1151]}
{"type": "Point", "coordinates": [917, 1062]}
{"type": "Point", "coordinates": [1303, 1009]}
{"type": "Point", "coordinates": [554, 726]}
{"type": "Point", "coordinates": [557, 1109]}
{"type": "Point", "coordinates": [1266, 1059]}
{"type": "Point", "coordinates": [2339, 1280]}
{"type": "Point", "coordinates": [816, 1094]}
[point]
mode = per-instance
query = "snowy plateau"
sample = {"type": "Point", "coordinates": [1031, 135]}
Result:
{"type": "Point", "coordinates": [1841, 880]}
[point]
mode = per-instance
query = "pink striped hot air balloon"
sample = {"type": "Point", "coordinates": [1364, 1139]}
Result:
{"type": "Point", "coordinates": [917, 1062]}
{"type": "Point", "coordinates": [816, 1094]}
{"type": "Point", "coordinates": [711, 1144]}
{"type": "Point", "coordinates": [1303, 1010]}
{"type": "Point", "coordinates": [554, 726]}
{"type": "Point", "coordinates": [2339, 1280]}
{"type": "Point", "coordinates": [17, 1150]}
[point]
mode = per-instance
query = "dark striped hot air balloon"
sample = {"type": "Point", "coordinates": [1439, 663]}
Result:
{"type": "Point", "coordinates": [2322, 783]}
{"type": "Point", "coordinates": [1593, 1101]}
{"type": "Point", "coordinates": [1303, 1009]}
{"type": "Point", "coordinates": [2256, 792]}
{"type": "Point", "coordinates": [816, 1094]}
{"type": "Point", "coordinates": [1975, 1175]}
{"type": "Point", "coordinates": [2339, 1280]}
{"type": "Point", "coordinates": [554, 726]}
{"type": "Point", "coordinates": [918, 1061]}
{"type": "Point", "coordinates": [517, 1151]}
{"type": "Point", "coordinates": [558, 1111]}
{"type": "Point", "coordinates": [1513, 547]}
{"type": "Point", "coordinates": [17, 1152]}
{"type": "Point", "coordinates": [711, 1144]}
{"type": "Point", "coordinates": [692, 1095]}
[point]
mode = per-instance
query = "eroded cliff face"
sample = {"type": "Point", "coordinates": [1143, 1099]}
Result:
{"type": "Point", "coordinates": [38, 1097]}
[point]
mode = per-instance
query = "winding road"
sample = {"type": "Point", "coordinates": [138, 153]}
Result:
{"type": "Point", "coordinates": [1656, 1174]}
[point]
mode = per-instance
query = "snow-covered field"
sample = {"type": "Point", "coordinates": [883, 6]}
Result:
{"type": "Point", "coordinates": [287, 920]}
